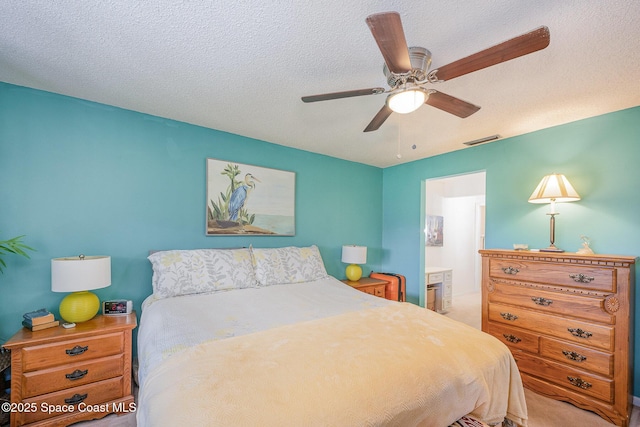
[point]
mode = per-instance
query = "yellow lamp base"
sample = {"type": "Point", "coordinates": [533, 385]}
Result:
{"type": "Point", "coordinates": [79, 306]}
{"type": "Point", "coordinates": [354, 272]}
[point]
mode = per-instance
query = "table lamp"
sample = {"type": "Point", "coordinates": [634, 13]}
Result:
{"type": "Point", "coordinates": [354, 255]}
{"type": "Point", "coordinates": [553, 188]}
{"type": "Point", "coordinates": [79, 275]}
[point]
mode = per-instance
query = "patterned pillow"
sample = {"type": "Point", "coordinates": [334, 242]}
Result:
{"type": "Point", "coordinates": [185, 272]}
{"type": "Point", "coordinates": [288, 265]}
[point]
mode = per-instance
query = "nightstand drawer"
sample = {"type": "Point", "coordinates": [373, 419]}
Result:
{"type": "Point", "coordinates": [95, 393]}
{"type": "Point", "coordinates": [74, 375]}
{"type": "Point", "coordinates": [72, 351]}
{"type": "Point", "coordinates": [377, 290]}
{"type": "Point", "coordinates": [576, 276]}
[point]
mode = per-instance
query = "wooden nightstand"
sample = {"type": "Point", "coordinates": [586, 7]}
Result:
{"type": "Point", "coordinates": [370, 286]}
{"type": "Point", "coordinates": [76, 374]}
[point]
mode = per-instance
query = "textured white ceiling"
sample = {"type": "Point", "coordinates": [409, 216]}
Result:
{"type": "Point", "coordinates": [241, 66]}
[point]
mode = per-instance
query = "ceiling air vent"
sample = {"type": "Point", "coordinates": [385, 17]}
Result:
{"type": "Point", "coordinates": [481, 140]}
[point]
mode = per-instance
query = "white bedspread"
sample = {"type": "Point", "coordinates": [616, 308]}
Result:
{"type": "Point", "coordinates": [329, 355]}
{"type": "Point", "coordinates": [173, 324]}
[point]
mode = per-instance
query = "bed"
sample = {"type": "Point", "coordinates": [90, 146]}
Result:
{"type": "Point", "coordinates": [245, 337]}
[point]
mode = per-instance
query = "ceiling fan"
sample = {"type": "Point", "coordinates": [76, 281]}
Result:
{"type": "Point", "coordinates": [407, 70]}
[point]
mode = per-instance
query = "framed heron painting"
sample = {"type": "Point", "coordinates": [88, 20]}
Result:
{"type": "Point", "coordinates": [249, 200]}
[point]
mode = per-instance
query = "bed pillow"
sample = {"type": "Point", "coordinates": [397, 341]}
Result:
{"type": "Point", "coordinates": [185, 272]}
{"type": "Point", "coordinates": [288, 265]}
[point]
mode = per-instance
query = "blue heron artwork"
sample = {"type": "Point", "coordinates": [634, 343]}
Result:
{"type": "Point", "coordinates": [247, 199]}
{"type": "Point", "coordinates": [239, 196]}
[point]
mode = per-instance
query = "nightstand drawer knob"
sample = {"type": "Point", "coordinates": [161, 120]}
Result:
{"type": "Point", "coordinates": [77, 374]}
{"type": "Point", "coordinates": [75, 351]}
{"type": "Point", "coordinates": [76, 398]}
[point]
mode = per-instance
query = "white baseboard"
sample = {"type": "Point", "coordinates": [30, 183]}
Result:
{"type": "Point", "coordinates": [636, 401]}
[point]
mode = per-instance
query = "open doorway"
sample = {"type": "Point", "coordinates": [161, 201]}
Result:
{"type": "Point", "coordinates": [454, 232]}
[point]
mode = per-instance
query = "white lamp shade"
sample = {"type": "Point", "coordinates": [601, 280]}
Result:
{"type": "Point", "coordinates": [74, 274]}
{"type": "Point", "coordinates": [554, 188]}
{"type": "Point", "coordinates": [352, 254]}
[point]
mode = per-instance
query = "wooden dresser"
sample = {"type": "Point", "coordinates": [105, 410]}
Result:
{"type": "Point", "coordinates": [60, 376]}
{"type": "Point", "coordinates": [568, 320]}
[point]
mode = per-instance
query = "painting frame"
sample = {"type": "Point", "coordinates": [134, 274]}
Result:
{"type": "Point", "coordinates": [249, 200]}
{"type": "Point", "coordinates": [435, 231]}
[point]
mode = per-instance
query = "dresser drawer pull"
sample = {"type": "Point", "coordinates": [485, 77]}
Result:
{"type": "Point", "coordinates": [76, 398]}
{"type": "Point", "coordinates": [511, 338]}
{"type": "Point", "coordinates": [77, 374]}
{"type": "Point", "coordinates": [572, 355]}
{"type": "Point", "coordinates": [77, 350]}
{"type": "Point", "coordinates": [578, 382]}
{"type": "Point", "coordinates": [510, 270]}
{"type": "Point", "coordinates": [577, 332]}
{"type": "Point", "coordinates": [509, 316]}
{"type": "Point", "coordinates": [581, 278]}
{"type": "Point", "coordinates": [542, 301]}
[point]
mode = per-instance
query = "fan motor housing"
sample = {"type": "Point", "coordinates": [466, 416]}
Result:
{"type": "Point", "coordinates": [420, 63]}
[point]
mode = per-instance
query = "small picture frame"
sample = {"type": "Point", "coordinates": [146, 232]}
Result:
{"type": "Point", "coordinates": [435, 229]}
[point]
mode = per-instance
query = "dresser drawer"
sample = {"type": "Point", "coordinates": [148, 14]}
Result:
{"type": "Point", "coordinates": [58, 378]}
{"type": "Point", "coordinates": [71, 351]}
{"type": "Point", "coordinates": [96, 393]}
{"type": "Point", "coordinates": [576, 276]}
{"type": "Point", "coordinates": [579, 356]}
{"type": "Point", "coordinates": [583, 333]}
{"type": "Point", "coordinates": [567, 377]}
{"type": "Point", "coordinates": [583, 306]}
{"type": "Point", "coordinates": [516, 339]}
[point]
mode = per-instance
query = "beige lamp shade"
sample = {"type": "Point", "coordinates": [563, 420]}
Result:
{"type": "Point", "coordinates": [554, 188]}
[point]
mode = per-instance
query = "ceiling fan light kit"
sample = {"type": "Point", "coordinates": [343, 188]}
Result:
{"type": "Point", "coordinates": [407, 100]}
{"type": "Point", "coordinates": [407, 70]}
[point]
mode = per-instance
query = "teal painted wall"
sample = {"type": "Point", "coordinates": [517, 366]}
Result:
{"type": "Point", "coordinates": [599, 156]}
{"type": "Point", "coordinates": [80, 177]}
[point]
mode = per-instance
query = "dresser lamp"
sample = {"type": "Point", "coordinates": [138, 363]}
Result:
{"type": "Point", "coordinates": [354, 255]}
{"type": "Point", "coordinates": [553, 188]}
{"type": "Point", "coordinates": [79, 275]}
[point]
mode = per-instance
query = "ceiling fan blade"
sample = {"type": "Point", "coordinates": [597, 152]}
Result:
{"type": "Point", "coordinates": [522, 45]}
{"type": "Point", "coordinates": [346, 94]}
{"type": "Point", "coordinates": [379, 119]}
{"type": "Point", "coordinates": [387, 30]}
{"type": "Point", "coordinates": [451, 104]}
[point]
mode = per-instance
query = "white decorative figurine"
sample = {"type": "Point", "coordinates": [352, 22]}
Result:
{"type": "Point", "coordinates": [585, 249]}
